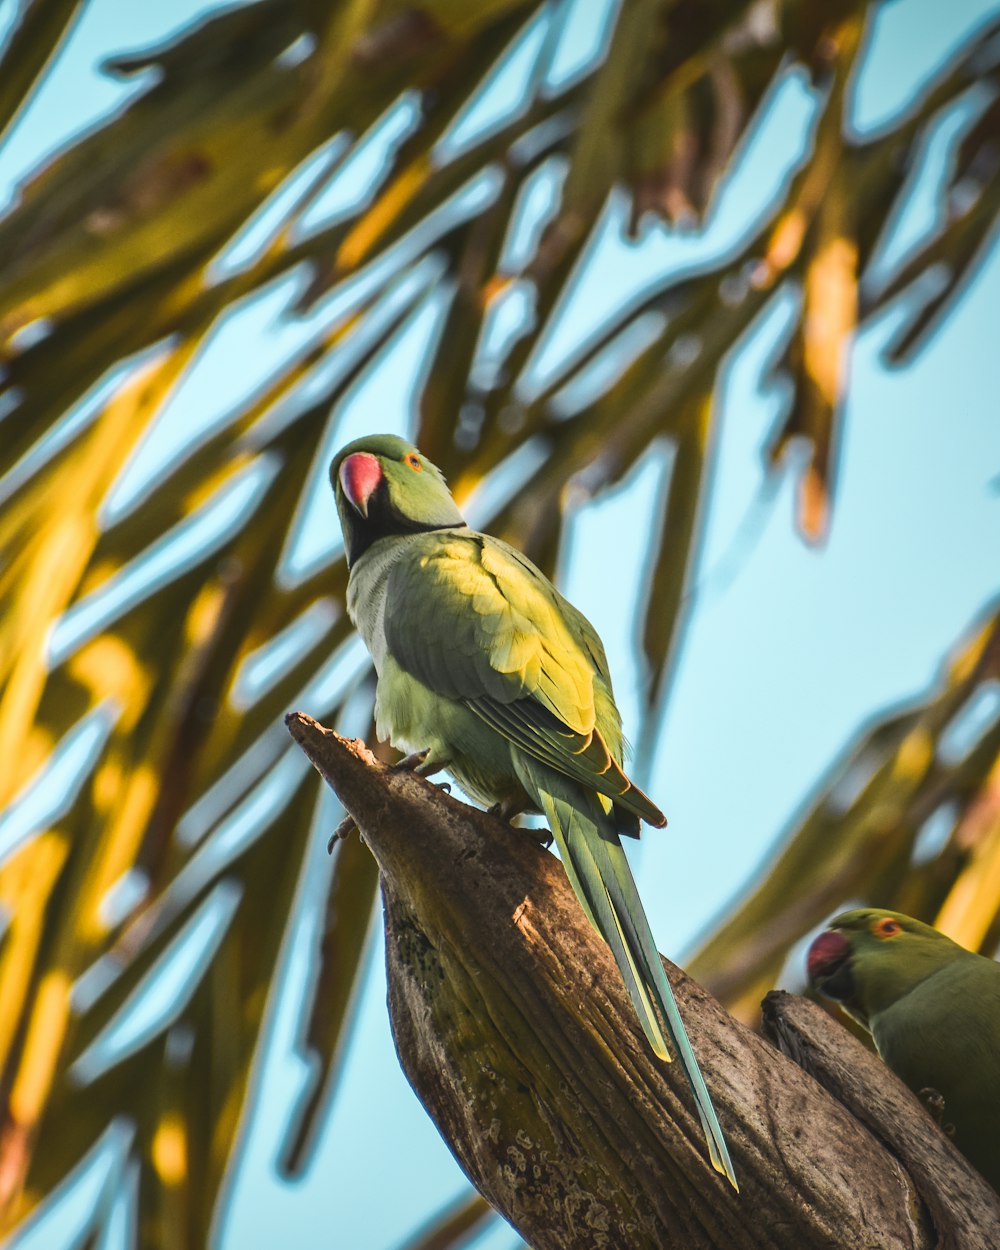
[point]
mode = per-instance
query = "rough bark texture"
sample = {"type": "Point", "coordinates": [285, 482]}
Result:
{"type": "Point", "coordinates": [513, 1026]}
{"type": "Point", "coordinates": [962, 1206]}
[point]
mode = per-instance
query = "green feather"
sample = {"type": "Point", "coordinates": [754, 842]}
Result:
{"type": "Point", "coordinates": [472, 619]}
{"type": "Point", "coordinates": [600, 875]}
{"type": "Point", "coordinates": [933, 1010]}
{"type": "Point", "coordinates": [482, 662]}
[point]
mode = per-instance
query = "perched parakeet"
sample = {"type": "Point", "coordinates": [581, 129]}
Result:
{"type": "Point", "coordinates": [486, 667]}
{"type": "Point", "coordinates": [933, 1009]}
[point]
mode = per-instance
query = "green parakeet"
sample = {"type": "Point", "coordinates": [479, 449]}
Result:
{"type": "Point", "coordinates": [933, 1009]}
{"type": "Point", "coordinates": [486, 667]}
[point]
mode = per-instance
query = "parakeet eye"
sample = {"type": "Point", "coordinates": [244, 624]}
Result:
{"type": "Point", "coordinates": [887, 927]}
{"type": "Point", "coordinates": [413, 460]}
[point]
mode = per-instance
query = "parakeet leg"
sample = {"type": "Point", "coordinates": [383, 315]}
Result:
{"type": "Point", "coordinates": [418, 763]}
{"type": "Point", "coordinates": [544, 837]}
{"type": "Point", "coordinates": [507, 809]}
{"type": "Point", "coordinates": [413, 762]}
{"type": "Point", "coordinates": [424, 763]}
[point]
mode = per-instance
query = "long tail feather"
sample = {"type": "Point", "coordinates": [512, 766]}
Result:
{"type": "Point", "coordinates": [599, 873]}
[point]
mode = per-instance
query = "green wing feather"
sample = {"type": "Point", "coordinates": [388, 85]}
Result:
{"type": "Point", "coordinates": [945, 1034]}
{"type": "Point", "coordinates": [475, 621]}
{"type": "Point", "coordinates": [599, 872]}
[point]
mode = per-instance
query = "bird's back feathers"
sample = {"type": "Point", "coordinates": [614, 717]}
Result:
{"type": "Point", "coordinates": [474, 620]}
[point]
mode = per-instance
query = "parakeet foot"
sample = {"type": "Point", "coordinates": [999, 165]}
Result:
{"type": "Point", "coordinates": [343, 830]}
{"type": "Point", "coordinates": [413, 762]}
{"type": "Point", "coordinates": [506, 809]}
{"type": "Point", "coordinates": [544, 837]}
{"type": "Point", "coordinates": [509, 812]}
{"type": "Point", "coordinates": [423, 763]}
{"type": "Point", "coordinates": [933, 1100]}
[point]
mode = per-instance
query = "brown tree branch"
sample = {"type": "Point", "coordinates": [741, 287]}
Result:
{"type": "Point", "coordinates": [515, 1031]}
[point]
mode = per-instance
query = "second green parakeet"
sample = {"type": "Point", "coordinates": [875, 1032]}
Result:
{"type": "Point", "coordinates": [486, 667]}
{"type": "Point", "coordinates": [933, 1010]}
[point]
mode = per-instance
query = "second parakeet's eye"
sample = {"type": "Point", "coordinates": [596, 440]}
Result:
{"type": "Point", "coordinates": [414, 462]}
{"type": "Point", "coordinates": [887, 927]}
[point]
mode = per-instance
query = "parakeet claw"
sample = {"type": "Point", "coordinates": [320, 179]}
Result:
{"type": "Point", "coordinates": [933, 1100]}
{"type": "Point", "coordinates": [544, 837]}
{"type": "Point", "coordinates": [343, 830]}
{"type": "Point", "coordinates": [445, 786]}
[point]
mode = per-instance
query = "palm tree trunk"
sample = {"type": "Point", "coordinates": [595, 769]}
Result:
{"type": "Point", "coordinates": [515, 1031]}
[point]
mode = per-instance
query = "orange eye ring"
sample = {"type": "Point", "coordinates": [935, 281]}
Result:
{"type": "Point", "coordinates": [887, 927]}
{"type": "Point", "coordinates": [413, 460]}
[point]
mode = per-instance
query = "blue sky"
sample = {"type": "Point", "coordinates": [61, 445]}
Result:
{"type": "Point", "coordinates": [789, 648]}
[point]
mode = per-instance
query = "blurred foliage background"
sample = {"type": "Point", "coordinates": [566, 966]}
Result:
{"type": "Point", "coordinates": [157, 822]}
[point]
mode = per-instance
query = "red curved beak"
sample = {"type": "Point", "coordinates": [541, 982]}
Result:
{"type": "Point", "coordinates": [826, 955]}
{"type": "Point", "coordinates": [360, 474]}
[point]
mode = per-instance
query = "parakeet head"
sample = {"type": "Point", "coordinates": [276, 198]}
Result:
{"type": "Point", "coordinates": [384, 486]}
{"type": "Point", "coordinates": [868, 959]}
